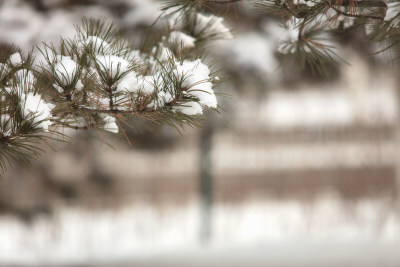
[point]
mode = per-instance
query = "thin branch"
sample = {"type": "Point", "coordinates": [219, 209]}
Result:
{"type": "Point", "coordinates": [353, 15]}
{"type": "Point", "coordinates": [221, 2]}
{"type": "Point", "coordinates": [279, 3]}
{"type": "Point", "coordinates": [362, 3]}
{"type": "Point", "coordinates": [114, 111]}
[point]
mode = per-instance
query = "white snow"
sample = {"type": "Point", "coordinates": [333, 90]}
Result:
{"type": "Point", "coordinates": [15, 59]}
{"type": "Point", "coordinates": [34, 104]}
{"type": "Point", "coordinates": [5, 121]}
{"type": "Point", "coordinates": [393, 10]}
{"type": "Point", "coordinates": [197, 81]}
{"type": "Point", "coordinates": [162, 53]}
{"type": "Point", "coordinates": [113, 65]}
{"type": "Point", "coordinates": [288, 37]}
{"type": "Point", "coordinates": [164, 97]}
{"type": "Point", "coordinates": [26, 80]}
{"type": "Point", "coordinates": [103, 101]}
{"type": "Point", "coordinates": [189, 108]}
{"type": "Point", "coordinates": [273, 232]}
{"type": "Point", "coordinates": [110, 124]}
{"type": "Point", "coordinates": [210, 25]}
{"type": "Point", "coordinates": [146, 84]}
{"type": "Point", "coordinates": [97, 44]}
{"type": "Point", "coordinates": [309, 3]}
{"type": "Point", "coordinates": [128, 83]}
{"type": "Point", "coordinates": [134, 83]}
{"type": "Point", "coordinates": [133, 55]}
{"type": "Point", "coordinates": [65, 70]}
{"type": "Point", "coordinates": [181, 39]}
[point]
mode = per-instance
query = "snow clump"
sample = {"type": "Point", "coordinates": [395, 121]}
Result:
{"type": "Point", "coordinates": [65, 70]}
{"type": "Point", "coordinates": [35, 105]}
{"type": "Point", "coordinates": [15, 59]}
{"type": "Point", "coordinates": [189, 108]}
{"type": "Point", "coordinates": [181, 38]}
{"type": "Point", "coordinates": [211, 26]}
{"type": "Point", "coordinates": [136, 83]}
{"type": "Point", "coordinates": [196, 82]}
{"type": "Point", "coordinates": [96, 43]}
{"type": "Point", "coordinates": [393, 13]}
{"type": "Point", "coordinates": [110, 124]}
{"type": "Point", "coordinates": [113, 65]}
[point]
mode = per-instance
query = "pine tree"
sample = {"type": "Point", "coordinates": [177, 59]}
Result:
{"type": "Point", "coordinates": [315, 29]}
{"type": "Point", "coordinates": [98, 80]}
{"type": "Point", "coordinates": [311, 33]}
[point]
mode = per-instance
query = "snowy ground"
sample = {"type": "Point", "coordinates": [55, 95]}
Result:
{"type": "Point", "coordinates": [257, 232]}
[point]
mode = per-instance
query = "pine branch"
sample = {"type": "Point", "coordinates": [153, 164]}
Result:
{"type": "Point", "coordinates": [354, 15]}
{"type": "Point", "coordinates": [97, 80]}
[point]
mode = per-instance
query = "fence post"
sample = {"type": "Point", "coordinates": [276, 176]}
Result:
{"type": "Point", "coordinates": [206, 184]}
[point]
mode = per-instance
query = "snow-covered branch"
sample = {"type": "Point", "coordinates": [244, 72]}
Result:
{"type": "Point", "coordinates": [99, 80]}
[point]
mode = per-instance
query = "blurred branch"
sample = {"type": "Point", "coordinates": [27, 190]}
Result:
{"type": "Point", "coordinates": [221, 1]}
{"type": "Point", "coordinates": [354, 15]}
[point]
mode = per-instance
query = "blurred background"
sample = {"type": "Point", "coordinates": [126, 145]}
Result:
{"type": "Point", "coordinates": [297, 170]}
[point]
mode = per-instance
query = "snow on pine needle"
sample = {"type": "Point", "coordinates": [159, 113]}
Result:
{"type": "Point", "coordinates": [393, 13]}
{"type": "Point", "coordinates": [19, 96]}
{"type": "Point", "coordinates": [182, 39]}
{"type": "Point", "coordinates": [306, 44]}
{"type": "Point", "coordinates": [211, 26]}
{"type": "Point", "coordinates": [98, 80]}
{"type": "Point", "coordinates": [100, 76]}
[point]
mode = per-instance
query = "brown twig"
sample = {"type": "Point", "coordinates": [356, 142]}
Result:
{"type": "Point", "coordinates": [222, 2]}
{"type": "Point", "coordinates": [113, 111]}
{"type": "Point", "coordinates": [353, 15]}
{"type": "Point", "coordinates": [285, 6]}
